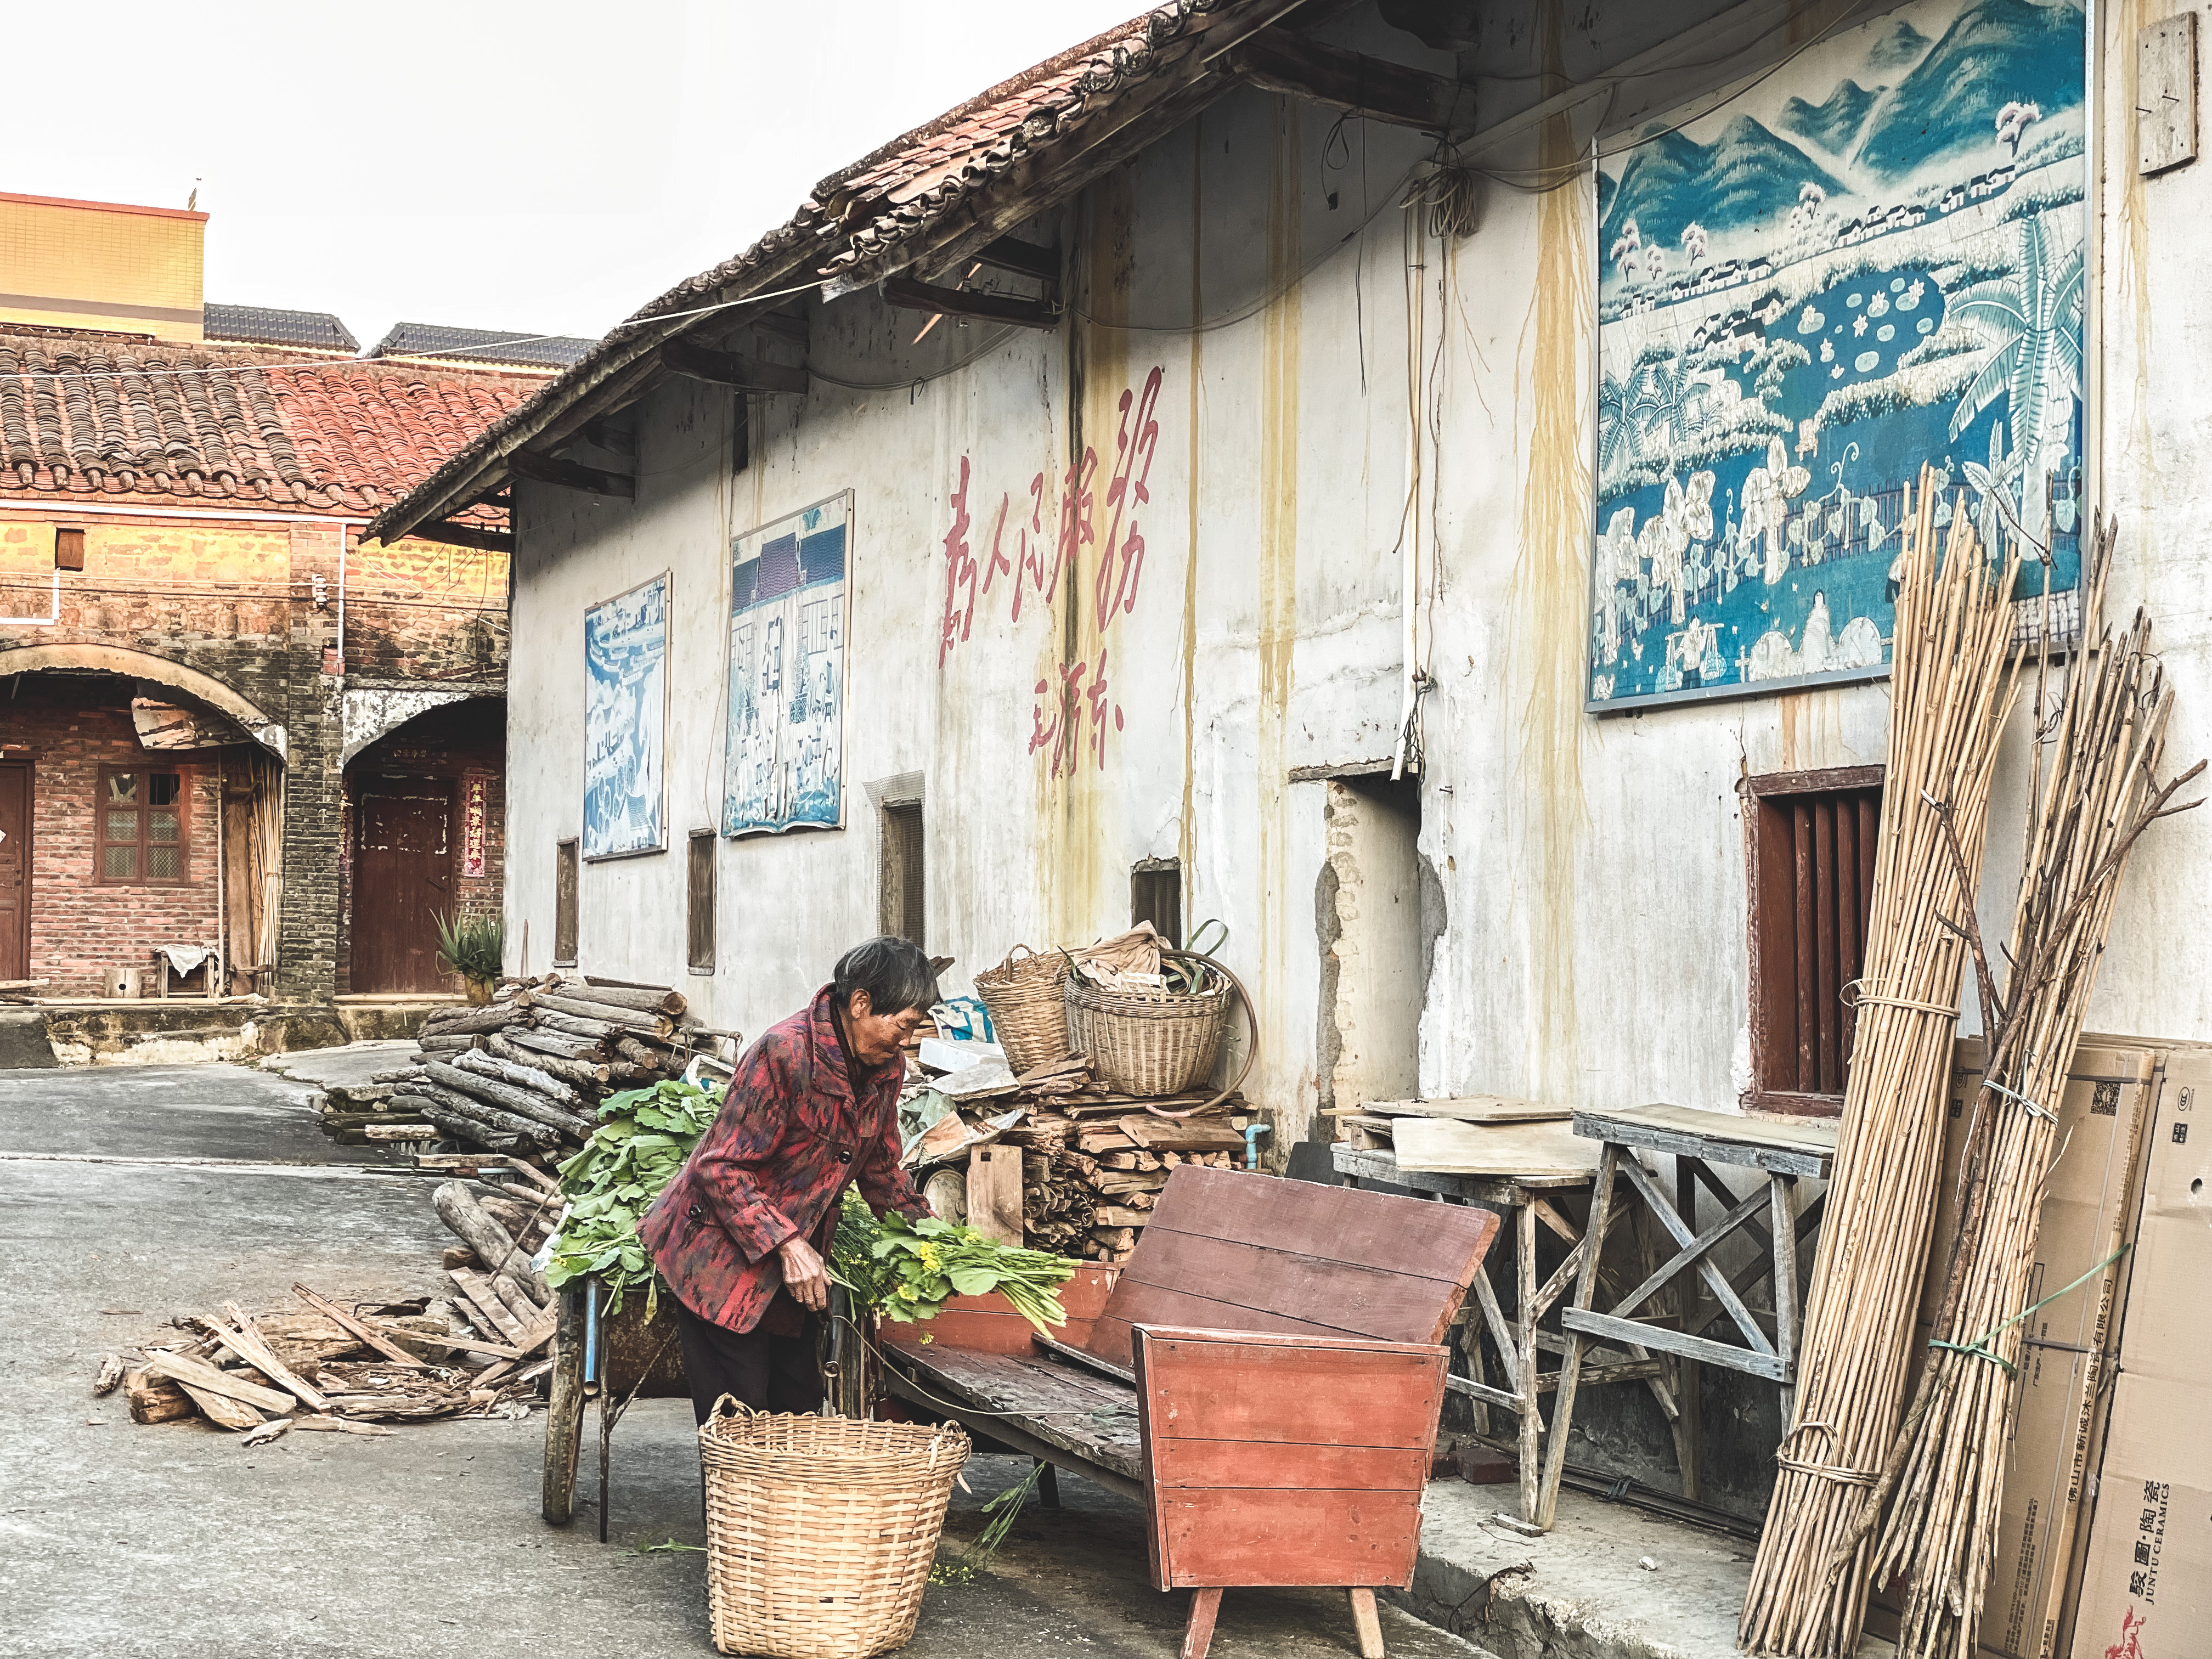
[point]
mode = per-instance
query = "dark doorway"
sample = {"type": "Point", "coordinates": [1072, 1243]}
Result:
{"type": "Point", "coordinates": [14, 869]}
{"type": "Point", "coordinates": [403, 882]}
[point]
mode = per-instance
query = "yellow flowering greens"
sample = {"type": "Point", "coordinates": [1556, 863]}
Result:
{"type": "Point", "coordinates": [906, 1270]}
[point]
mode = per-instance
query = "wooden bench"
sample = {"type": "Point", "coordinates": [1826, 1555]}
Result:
{"type": "Point", "coordinates": [1264, 1376]}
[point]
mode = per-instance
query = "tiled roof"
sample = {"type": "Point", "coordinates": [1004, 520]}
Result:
{"type": "Point", "coordinates": [862, 214]}
{"type": "Point", "coordinates": [316, 331]}
{"type": "Point", "coordinates": [894, 191]}
{"type": "Point", "coordinates": [83, 420]}
{"type": "Point", "coordinates": [434, 340]}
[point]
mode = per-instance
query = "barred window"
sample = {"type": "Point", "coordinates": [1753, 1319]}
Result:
{"type": "Point", "coordinates": [1811, 840]}
{"type": "Point", "coordinates": [144, 829]}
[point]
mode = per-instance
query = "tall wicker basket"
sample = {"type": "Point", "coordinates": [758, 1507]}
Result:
{"type": "Point", "coordinates": [1146, 1042]}
{"type": "Point", "coordinates": [820, 1530]}
{"type": "Point", "coordinates": [1029, 1015]}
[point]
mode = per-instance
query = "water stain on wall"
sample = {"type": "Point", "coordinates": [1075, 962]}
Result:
{"type": "Point", "coordinates": [1277, 585]}
{"type": "Point", "coordinates": [1071, 807]}
{"type": "Point", "coordinates": [1185, 838]}
{"type": "Point", "coordinates": [1548, 604]}
{"type": "Point", "coordinates": [2131, 259]}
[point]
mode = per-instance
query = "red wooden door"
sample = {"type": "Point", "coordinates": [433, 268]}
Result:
{"type": "Point", "coordinates": [403, 880]}
{"type": "Point", "coordinates": [14, 869]}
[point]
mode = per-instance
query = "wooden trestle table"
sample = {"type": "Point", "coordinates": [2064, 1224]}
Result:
{"type": "Point", "coordinates": [1779, 1152]}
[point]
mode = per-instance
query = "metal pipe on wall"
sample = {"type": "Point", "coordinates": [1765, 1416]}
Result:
{"type": "Point", "coordinates": [219, 970]}
{"type": "Point", "coordinates": [1410, 521]}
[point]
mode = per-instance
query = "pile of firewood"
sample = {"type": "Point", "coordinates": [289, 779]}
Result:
{"type": "Point", "coordinates": [1089, 1181]}
{"type": "Point", "coordinates": [525, 1075]}
{"type": "Point", "coordinates": [1092, 1161]}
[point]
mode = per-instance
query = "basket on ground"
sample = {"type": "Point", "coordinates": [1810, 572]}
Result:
{"type": "Point", "coordinates": [1029, 1014]}
{"type": "Point", "coordinates": [1147, 1041]}
{"type": "Point", "coordinates": [821, 1530]}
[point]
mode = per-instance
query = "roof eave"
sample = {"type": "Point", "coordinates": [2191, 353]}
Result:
{"type": "Point", "coordinates": [1167, 73]}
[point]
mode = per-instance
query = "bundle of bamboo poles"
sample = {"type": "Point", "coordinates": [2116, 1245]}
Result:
{"type": "Point", "coordinates": [2102, 745]}
{"type": "Point", "coordinates": [1952, 685]}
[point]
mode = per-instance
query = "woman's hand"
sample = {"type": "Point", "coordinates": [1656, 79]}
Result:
{"type": "Point", "coordinates": [803, 1274]}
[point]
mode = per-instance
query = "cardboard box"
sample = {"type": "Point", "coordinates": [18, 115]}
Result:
{"type": "Point", "coordinates": [2146, 1586]}
{"type": "Point", "coordinates": [2089, 1211]}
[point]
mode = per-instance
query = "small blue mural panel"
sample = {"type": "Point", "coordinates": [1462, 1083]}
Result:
{"type": "Point", "coordinates": [786, 757]}
{"type": "Point", "coordinates": [625, 722]}
{"type": "Point", "coordinates": [1871, 259]}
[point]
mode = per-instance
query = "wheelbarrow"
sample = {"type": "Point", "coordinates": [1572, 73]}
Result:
{"type": "Point", "coordinates": [616, 1358]}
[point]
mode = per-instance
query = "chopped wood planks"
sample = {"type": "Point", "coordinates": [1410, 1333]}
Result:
{"type": "Point", "coordinates": [1469, 1109]}
{"type": "Point", "coordinates": [1448, 1146]}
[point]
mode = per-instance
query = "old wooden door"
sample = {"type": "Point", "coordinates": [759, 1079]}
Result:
{"type": "Point", "coordinates": [403, 881]}
{"type": "Point", "coordinates": [14, 869]}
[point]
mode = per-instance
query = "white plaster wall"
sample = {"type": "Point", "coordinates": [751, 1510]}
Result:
{"type": "Point", "coordinates": [1592, 871]}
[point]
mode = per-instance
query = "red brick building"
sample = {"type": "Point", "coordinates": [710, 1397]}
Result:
{"type": "Point", "coordinates": [226, 724]}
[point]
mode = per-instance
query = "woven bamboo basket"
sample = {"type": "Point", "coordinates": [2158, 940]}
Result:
{"type": "Point", "coordinates": [1146, 1042]}
{"type": "Point", "coordinates": [1028, 1013]}
{"type": "Point", "coordinates": [821, 1530]}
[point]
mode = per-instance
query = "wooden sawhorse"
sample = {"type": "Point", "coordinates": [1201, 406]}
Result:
{"type": "Point", "coordinates": [1531, 1201]}
{"type": "Point", "coordinates": [1782, 1151]}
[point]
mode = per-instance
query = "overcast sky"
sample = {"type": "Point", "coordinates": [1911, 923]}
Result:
{"type": "Point", "coordinates": [544, 167]}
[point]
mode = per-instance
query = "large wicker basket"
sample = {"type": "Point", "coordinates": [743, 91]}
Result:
{"type": "Point", "coordinates": [821, 1530]}
{"type": "Point", "coordinates": [1029, 1015]}
{"type": "Point", "coordinates": [1146, 1042]}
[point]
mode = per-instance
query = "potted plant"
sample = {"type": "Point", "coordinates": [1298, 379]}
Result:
{"type": "Point", "coordinates": [475, 947]}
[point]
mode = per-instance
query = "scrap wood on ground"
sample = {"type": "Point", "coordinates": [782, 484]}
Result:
{"type": "Point", "coordinates": [328, 1367]}
{"type": "Point", "coordinates": [480, 1350]}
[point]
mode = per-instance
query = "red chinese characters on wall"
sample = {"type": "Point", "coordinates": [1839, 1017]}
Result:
{"type": "Point", "coordinates": [1073, 706]}
{"type": "Point", "coordinates": [476, 793]}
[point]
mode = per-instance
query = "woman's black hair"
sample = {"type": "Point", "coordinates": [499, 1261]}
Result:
{"type": "Point", "coordinates": [893, 972]}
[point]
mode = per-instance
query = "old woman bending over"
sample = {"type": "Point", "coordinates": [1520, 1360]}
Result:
{"type": "Point", "coordinates": [742, 1233]}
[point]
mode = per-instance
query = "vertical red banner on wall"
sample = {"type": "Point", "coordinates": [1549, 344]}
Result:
{"type": "Point", "coordinates": [475, 793]}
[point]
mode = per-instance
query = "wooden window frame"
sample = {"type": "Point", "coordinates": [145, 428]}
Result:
{"type": "Point", "coordinates": [1769, 885]}
{"type": "Point", "coordinates": [69, 548]}
{"type": "Point", "coordinates": [1155, 895]}
{"type": "Point", "coordinates": [567, 900]}
{"type": "Point", "coordinates": [903, 887]}
{"type": "Point", "coordinates": [101, 841]}
{"type": "Point", "coordinates": [699, 873]}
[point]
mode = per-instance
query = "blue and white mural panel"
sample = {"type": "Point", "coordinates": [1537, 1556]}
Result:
{"type": "Point", "coordinates": [1869, 260]}
{"type": "Point", "coordinates": [786, 757]}
{"type": "Point", "coordinates": [626, 722]}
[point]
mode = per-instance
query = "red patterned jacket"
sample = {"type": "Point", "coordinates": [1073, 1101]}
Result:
{"type": "Point", "coordinates": [788, 1140]}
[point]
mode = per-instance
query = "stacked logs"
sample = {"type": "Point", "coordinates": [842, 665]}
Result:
{"type": "Point", "coordinates": [526, 1076]}
{"type": "Point", "coordinates": [1090, 1181]}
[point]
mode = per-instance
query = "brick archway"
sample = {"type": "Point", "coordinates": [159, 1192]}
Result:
{"type": "Point", "coordinates": [143, 666]}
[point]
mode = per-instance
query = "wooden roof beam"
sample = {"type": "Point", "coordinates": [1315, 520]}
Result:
{"type": "Point", "coordinates": [1373, 88]}
{"type": "Point", "coordinates": [699, 362]}
{"type": "Point", "coordinates": [482, 537]}
{"type": "Point", "coordinates": [782, 324]}
{"type": "Point", "coordinates": [907, 294]}
{"type": "Point", "coordinates": [1009, 253]}
{"type": "Point", "coordinates": [570, 475]}
{"type": "Point", "coordinates": [1038, 183]}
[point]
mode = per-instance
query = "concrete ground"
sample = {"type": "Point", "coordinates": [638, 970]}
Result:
{"type": "Point", "coordinates": [346, 1067]}
{"type": "Point", "coordinates": [118, 1541]}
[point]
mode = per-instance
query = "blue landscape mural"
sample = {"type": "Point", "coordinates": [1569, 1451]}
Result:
{"type": "Point", "coordinates": [625, 722]}
{"type": "Point", "coordinates": [1870, 260]}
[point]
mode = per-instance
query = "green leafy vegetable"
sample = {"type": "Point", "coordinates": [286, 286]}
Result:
{"type": "Point", "coordinates": [643, 1138]}
{"type": "Point", "coordinates": [906, 1269]}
